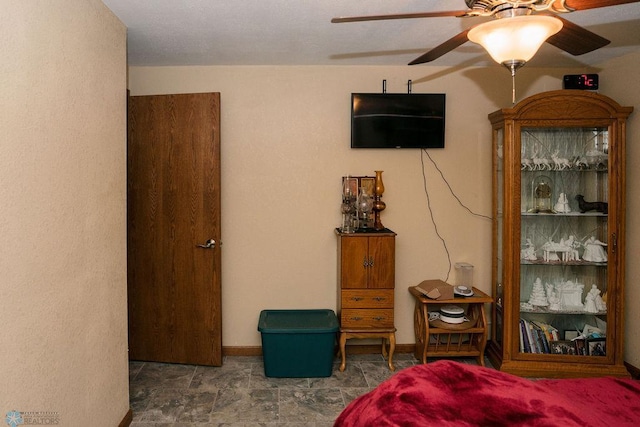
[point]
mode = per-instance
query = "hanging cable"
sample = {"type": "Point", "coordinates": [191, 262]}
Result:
{"type": "Point", "coordinates": [433, 221]}
{"type": "Point", "coordinates": [449, 186]}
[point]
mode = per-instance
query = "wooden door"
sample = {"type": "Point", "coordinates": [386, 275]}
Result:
{"type": "Point", "coordinates": [173, 200]}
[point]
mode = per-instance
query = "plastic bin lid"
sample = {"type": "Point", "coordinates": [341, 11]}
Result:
{"type": "Point", "coordinates": [298, 321]}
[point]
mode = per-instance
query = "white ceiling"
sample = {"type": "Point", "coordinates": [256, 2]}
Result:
{"type": "Point", "coordinates": [299, 32]}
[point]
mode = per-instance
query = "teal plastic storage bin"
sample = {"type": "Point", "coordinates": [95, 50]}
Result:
{"type": "Point", "coordinates": [298, 343]}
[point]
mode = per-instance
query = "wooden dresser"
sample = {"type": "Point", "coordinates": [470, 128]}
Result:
{"type": "Point", "coordinates": [366, 282]}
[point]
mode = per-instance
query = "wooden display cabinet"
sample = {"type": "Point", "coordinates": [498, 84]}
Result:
{"type": "Point", "coordinates": [558, 263]}
{"type": "Point", "coordinates": [366, 282]}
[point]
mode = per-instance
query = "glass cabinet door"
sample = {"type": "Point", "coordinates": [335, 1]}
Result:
{"type": "Point", "coordinates": [498, 253]}
{"type": "Point", "coordinates": [564, 241]}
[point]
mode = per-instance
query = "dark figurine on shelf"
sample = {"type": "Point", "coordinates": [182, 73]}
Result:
{"type": "Point", "coordinates": [585, 206]}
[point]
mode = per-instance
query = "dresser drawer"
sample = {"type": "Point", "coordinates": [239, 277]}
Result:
{"type": "Point", "coordinates": [367, 298]}
{"type": "Point", "coordinates": [366, 318]}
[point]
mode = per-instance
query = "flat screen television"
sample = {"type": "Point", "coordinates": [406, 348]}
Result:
{"type": "Point", "coordinates": [394, 120]}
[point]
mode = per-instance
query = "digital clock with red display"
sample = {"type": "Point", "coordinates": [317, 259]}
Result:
{"type": "Point", "coordinates": [581, 81]}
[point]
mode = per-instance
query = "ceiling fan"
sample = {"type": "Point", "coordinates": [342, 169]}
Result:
{"type": "Point", "coordinates": [512, 15]}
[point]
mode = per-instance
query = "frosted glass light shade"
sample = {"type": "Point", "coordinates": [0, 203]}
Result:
{"type": "Point", "coordinates": [514, 39]}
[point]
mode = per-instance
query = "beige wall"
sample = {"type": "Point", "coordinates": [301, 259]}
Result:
{"type": "Point", "coordinates": [285, 145]}
{"type": "Point", "coordinates": [617, 79]}
{"type": "Point", "coordinates": [62, 221]}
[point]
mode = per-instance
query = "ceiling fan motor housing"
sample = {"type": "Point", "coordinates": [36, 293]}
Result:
{"type": "Point", "coordinates": [491, 7]}
{"type": "Point", "coordinates": [569, 37]}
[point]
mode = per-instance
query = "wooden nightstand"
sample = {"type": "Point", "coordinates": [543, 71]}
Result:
{"type": "Point", "coordinates": [451, 340]}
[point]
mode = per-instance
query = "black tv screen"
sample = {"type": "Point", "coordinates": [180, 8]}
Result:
{"type": "Point", "coordinates": [393, 120]}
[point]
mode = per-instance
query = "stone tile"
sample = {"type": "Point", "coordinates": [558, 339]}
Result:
{"type": "Point", "coordinates": [143, 424]}
{"type": "Point", "coordinates": [298, 405]}
{"type": "Point", "coordinates": [165, 375]}
{"type": "Point", "coordinates": [140, 396]}
{"type": "Point", "coordinates": [367, 357]}
{"type": "Point", "coordinates": [245, 405]}
{"type": "Point", "coordinates": [238, 394]}
{"type": "Point", "coordinates": [225, 376]}
{"type": "Point", "coordinates": [243, 424]}
{"type": "Point", "coordinates": [182, 424]}
{"type": "Point", "coordinates": [198, 406]}
{"type": "Point", "coordinates": [165, 406]}
{"type": "Point", "coordinates": [376, 372]}
{"type": "Point", "coordinates": [134, 368]}
{"type": "Point", "coordinates": [259, 380]}
{"type": "Point", "coordinates": [350, 394]}
{"type": "Point", "coordinates": [404, 356]}
{"type": "Point", "coordinates": [249, 424]}
{"type": "Point", "coordinates": [179, 424]}
{"type": "Point", "coordinates": [306, 424]}
{"type": "Point", "coordinates": [351, 377]}
{"type": "Point", "coordinates": [173, 405]}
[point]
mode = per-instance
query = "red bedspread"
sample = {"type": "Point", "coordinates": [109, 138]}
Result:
{"type": "Point", "coordinates": [446, 393]}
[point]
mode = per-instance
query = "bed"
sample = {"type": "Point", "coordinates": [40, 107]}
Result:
{"type": "Point", "coordinates": [447, 393]}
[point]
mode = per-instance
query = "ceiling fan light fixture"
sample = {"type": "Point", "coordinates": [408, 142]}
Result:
{"type": "Point", "coordinates": [516, 39]}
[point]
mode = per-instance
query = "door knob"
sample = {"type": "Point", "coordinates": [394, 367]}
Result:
{"type": "Point", "coordinates": [209, 244]}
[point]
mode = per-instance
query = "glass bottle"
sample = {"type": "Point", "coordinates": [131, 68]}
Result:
{"type": "Point", "coordinates": [365, 205]}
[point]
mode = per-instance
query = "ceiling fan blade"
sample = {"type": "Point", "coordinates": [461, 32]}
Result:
{"type": "Point", "coordinates": [399, 16]}
{"type": "Point", "coordinates": [593, 4]}
{"type": "Point", "coordinates": [575, 39]}
{"type": "Point", "coordinates": [440, 50]}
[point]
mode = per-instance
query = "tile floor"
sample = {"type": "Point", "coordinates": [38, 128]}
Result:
{"type": "Point", "coordinates": [238, 393]}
